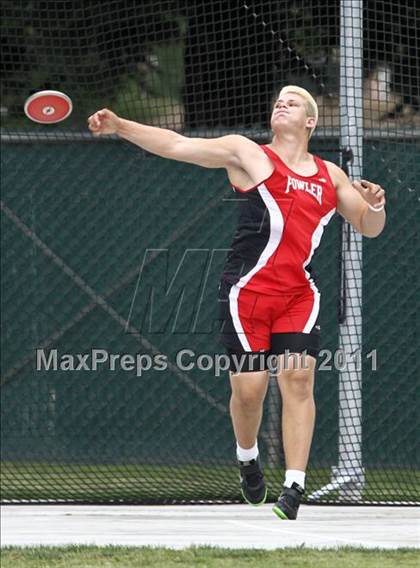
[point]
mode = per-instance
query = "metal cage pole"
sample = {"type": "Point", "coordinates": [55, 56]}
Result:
{"type": "Point", "coordinates": [348, 476]}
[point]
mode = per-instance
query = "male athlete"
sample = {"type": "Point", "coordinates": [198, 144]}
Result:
{"type": "Point", "coordinates": [270, 303]}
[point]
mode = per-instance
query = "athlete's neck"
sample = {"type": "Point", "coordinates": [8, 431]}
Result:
{"type": "Point", "coordinates": [292, 150]}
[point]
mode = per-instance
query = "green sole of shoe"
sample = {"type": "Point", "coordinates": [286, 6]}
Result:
{"type": "Point", "coordinates": [281, 515]}
{"type": "Point", "coordinates": [255, 504]}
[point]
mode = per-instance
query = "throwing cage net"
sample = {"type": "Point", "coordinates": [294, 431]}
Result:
{"type": "Point", "coordinates": [111, 257]}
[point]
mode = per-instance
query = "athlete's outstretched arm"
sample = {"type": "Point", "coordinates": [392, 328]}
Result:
{"type": "Point", "coordinates": [226, 152]}
{"type": "Point", "coordinates": [353, 200]}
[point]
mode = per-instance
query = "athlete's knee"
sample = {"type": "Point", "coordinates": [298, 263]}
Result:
{"type": "Point", "coordinates": [247, 400]}
{"type": "Point", "coordinates": [297, 383]}
{"type": "Point", "coordinates": [249, 389]}
{"type": "Point", "coordinates": [248, 397]}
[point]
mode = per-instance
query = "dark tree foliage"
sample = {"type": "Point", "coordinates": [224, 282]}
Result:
{"type": "Point", "coordinates": [393, 36]}
{"type": "Point", "coordinates": [83, 48]}
{"type": "Point", "coordinates": [237, 54]}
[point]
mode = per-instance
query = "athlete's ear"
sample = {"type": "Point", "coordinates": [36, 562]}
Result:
{"type": "Point", "coordinates": [310, 122]}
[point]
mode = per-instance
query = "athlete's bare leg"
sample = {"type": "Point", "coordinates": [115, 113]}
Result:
{"type": "Point", "coordinates": [298, 417]}
{"type": "Point", "coordinates": [246, 405]}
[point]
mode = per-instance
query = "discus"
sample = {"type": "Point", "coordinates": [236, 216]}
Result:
{"type": "Point", "coordinates": [48, 107]}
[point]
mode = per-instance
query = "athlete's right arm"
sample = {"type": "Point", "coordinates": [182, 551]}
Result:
{"type": "Point", "coordinates": [232, 151]}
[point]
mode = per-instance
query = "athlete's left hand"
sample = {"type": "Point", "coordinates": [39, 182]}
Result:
{"type": "Point", "coordinates": [372, 193]}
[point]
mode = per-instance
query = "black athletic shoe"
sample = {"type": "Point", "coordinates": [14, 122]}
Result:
{"type": "Point", "coordinates": [288, 504]}
{"type": "Point", "coordinates": [253, 487]}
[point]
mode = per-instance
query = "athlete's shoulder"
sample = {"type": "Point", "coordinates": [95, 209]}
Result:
{"type": "Point", "coordinates": [336, 173]}
{"type": "Point", "coordinates": [331, 165]}
{"type": "Point", "coordinates": [245, 148]}
{"type": "Point", "coordinates": [239, 140]}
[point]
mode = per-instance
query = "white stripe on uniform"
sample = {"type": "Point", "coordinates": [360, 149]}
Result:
{"type": "Point", "coordinates": [316, 239]}
{"type": "Point", "coordinates": [276, 233]}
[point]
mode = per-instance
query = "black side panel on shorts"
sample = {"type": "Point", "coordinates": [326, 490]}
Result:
{"type": "Point", "coordinates": [229, 335]}
{"type": "Point", "coordinates": [251, 236]}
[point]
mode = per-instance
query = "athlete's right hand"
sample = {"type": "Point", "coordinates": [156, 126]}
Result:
{"type": "Point", "coordinates": [103, 122]}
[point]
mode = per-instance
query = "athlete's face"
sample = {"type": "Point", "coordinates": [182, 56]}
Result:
{"type": "Point", "coordinates": [290, 113]}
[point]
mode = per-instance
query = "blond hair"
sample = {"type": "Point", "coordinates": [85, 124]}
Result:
{"type": "Point", "coordinates": [311, 106]}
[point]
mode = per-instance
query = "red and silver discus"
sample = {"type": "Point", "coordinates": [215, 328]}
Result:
{"type": "Point", "coordinates": [48, 107]}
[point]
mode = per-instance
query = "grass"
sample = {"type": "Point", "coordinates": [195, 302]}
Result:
{"type": "Point", "coordinates": [155, 484]}
{"type": "Point", "coordinates": [126, 557]}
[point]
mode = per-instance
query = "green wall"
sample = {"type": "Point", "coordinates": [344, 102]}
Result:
{"type": "Point", "coordinates": [79, 220]}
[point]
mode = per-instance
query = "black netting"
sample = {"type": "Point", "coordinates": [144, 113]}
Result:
{"type": "Point", "coordinates": [106, 247]}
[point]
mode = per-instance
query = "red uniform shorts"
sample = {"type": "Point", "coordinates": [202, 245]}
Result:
{"type": "Point", "coordinates": [268, 324]}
